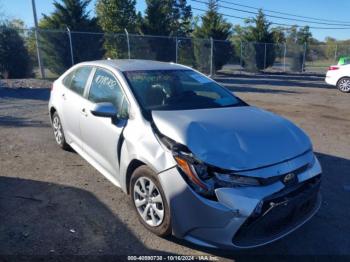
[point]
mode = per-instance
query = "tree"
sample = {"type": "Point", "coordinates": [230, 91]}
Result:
{"type": "Point", "coordinates": [14, 58]}
{"type": "Point", "coordinates": [297, 40]}
{"type": "Point", "coordinates": [258, 31]}
{"type": "Point", "coordinates": [166, 18]}
{"type": "Point", "coordinates": [213, 25]}
{"type": "Point", "coordinates": [117, 15]}
{"type": "Point", "coordinates": [305, 38]}
{"type": "Point", "coordinates": [331, 48]}
{"type": "Point", "coordinates": [278, 35]}
{"type": "Point", "coordinates": [279, 38]}
{"type": "Point", "coordinates": [70, 14]}
{"type": "Point", "coordinates": [182, 18]}
{"type": "Point", "coordinates": [114, 16]}
{"type": "Point", "coordinates": [304, 35]}
{"type": "Point", "coordinates": [291, 35]}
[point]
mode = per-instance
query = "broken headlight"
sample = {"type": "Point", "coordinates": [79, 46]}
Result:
{"type": "Point", "coordinates": [205, 178]}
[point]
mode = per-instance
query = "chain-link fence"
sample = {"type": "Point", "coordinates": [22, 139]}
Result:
{"type": "Point", "coordinates": [60, 49]}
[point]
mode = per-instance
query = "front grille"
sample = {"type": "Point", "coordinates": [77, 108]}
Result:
{"type": "Point", "coordinates": [274, 179]}
{"type": "Point", "coordinates": [279, 213]}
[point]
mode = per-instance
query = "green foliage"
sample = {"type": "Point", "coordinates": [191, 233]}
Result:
{"type": "Point", "coordinates": [279, 38]}
{"type": "Point", "coordinates": [202, 54]}
{"type": "Point", "coordinates": [15, 61]}
{"type": "Point", "coordinates": [299, 36]}
{"type": "Point", "coordinates": [17, 24]}
{"type": "Point", "coordinates": [71, 14]}
{"type": "Point", "coordinates": [297, 40]}
{"type": "Point", "coordinates": [278, 35]}
{"type": "Point", "coordinates": [315, 51]}
{"type": "Point", "coordinates": [166, 18]}
{"type": "Point", "coordinates": [117, 15]}
{"type": "Point", "coordinates": [213, 25]}
{"type": "Point", "coordinates": [337, 48]}
{"type": "Point", "coordinates": [296, 52]}
{"type": "Point", "coordinates": [158, 18]}
{"type": "Point", "coordinates": [258, 31]}
{"type": "Point", "coordinates": [185, 52]}
{"type": "Point", "coordinates": [304, 35]}
{"type": "Point", "coordinates": [248, 56]}
{"type": "Point", "coordinates": [331, 48]}
{"type": "Point", "coordinates": [114, 16]}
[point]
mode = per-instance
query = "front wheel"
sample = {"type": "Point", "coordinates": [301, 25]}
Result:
{"type": "Point", "coordinates": [344, 85]}
{"type": "Point", "coordinates": [149, 201]}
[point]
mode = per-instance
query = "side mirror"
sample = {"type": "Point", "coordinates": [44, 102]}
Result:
{"type": "Point", "coordinates": [104, 110]}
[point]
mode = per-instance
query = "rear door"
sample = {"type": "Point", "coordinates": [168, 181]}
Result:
{"type": "Point", "coordinates": [72, 100]}
{"type": "Point", "coordinates": [101, 136]}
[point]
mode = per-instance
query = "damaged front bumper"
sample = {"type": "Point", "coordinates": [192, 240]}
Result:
{"type": "Point", "coordinates": [242, 217]}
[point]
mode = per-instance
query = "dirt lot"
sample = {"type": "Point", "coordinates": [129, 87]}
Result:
{"type": "Point", "coordinates": [53, 203]}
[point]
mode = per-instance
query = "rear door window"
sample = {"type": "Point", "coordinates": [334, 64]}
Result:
{"type": "Point", "coordinates": [68, 79]}
{"type": "Point", "coordinates": [76, 80]}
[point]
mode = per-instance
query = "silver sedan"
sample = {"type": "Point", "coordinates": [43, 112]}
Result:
{"type": "Point", "coordinates": [197, 161]}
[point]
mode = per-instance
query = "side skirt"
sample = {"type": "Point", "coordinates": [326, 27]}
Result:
{"type": "Point", "coordinates": [96, 165]}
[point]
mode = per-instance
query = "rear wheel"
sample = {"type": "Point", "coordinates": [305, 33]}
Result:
{"type": "Point", "coordinates": [58, 132]}
{"type": "Point", "coordinates": [344, 85]}
{"type": "Point", "coordinates": [149, 201]}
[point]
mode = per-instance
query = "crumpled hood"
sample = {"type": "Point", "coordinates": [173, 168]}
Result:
{"type": "Point", "coordinates": [235, 138]}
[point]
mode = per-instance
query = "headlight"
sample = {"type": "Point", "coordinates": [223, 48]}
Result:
{"type": "Point", "coordinates": [237, 180]}
{"type": "Point", "coordinates": [205, 178]}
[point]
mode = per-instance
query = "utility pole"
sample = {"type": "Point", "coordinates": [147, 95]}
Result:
{"type": "Point", "coordinates": [42, 71]}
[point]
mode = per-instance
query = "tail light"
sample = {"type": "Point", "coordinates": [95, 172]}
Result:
{"type": "Point", "coordinates": [333, 68]}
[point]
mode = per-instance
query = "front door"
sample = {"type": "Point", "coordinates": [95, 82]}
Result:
{"type": "Point", "coordinates": [100, 136]}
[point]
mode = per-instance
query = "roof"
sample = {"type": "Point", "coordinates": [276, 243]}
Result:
{"type": "Point", "coordinates": [137, 64]}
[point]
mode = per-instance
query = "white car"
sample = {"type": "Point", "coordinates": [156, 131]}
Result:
{"type": "Point", "coordinates": [339, 76]}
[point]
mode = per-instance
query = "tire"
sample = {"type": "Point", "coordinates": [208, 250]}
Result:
{"type": "Point", "coordinates": [58, 132]}
{"type": "Point", "coordinates": [155, 201]}
{"type": "Point", "coordinates": [344, 85]}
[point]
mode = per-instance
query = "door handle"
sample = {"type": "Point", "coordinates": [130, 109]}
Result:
{"type": "Point", "coordinates": [83, 111]}
{"type": "Point", "coordinates": [64, 96]}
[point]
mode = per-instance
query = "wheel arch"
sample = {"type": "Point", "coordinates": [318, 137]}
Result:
{"type": "Point", "coordinates": [133, 165]}
{"type": "Point", "coordinates": [52, 111]}
{"type": "Point", "coordinates": [341, 78]}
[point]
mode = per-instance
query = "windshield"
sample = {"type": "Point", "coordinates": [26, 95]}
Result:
{"type": "Point", "coordinates": [178, 90]}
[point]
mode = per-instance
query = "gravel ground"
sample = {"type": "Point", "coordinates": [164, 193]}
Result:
{"type": "Point", "coordinates": [53, 203]}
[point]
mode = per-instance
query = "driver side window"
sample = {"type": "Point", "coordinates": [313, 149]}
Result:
{"type": "Point", "coordinates": [105, 88]}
